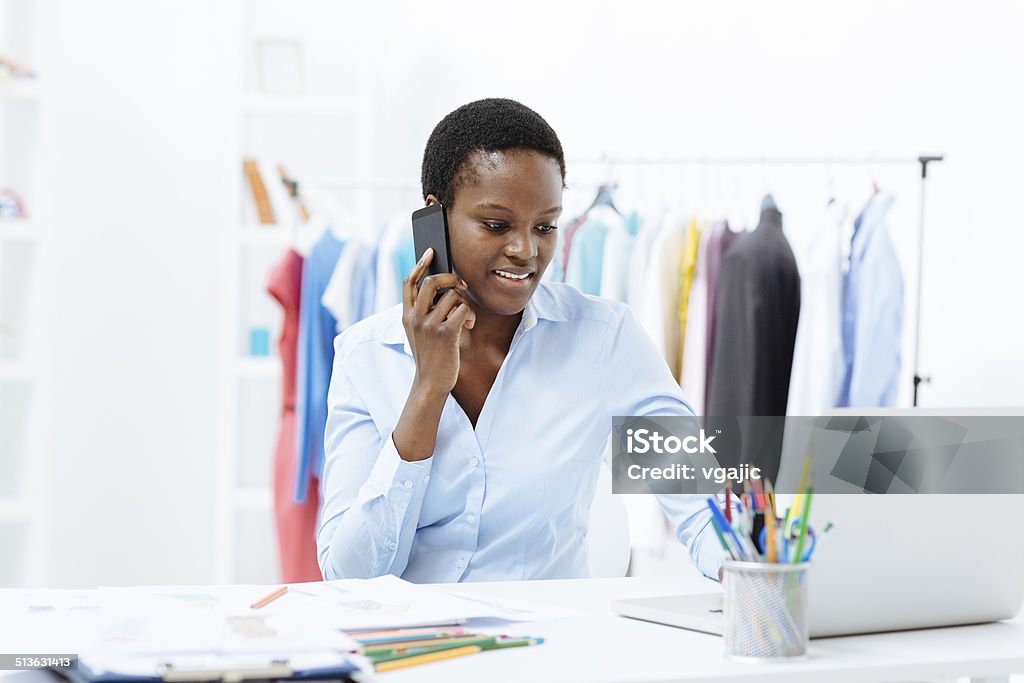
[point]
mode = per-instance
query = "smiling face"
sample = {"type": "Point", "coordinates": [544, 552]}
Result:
{"type": "Point", "coordinates": [502, 226]}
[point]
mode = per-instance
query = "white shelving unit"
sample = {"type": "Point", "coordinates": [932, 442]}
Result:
{"type": "Point", "coordinates": [25, 154]}
{"type": "Point", "coordinates": [283, 128]}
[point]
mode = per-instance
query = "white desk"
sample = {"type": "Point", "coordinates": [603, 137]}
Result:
{"type": "Point", "coordinates": [610, 648]}
{"type": "Point", "coordinates": [606, 648]}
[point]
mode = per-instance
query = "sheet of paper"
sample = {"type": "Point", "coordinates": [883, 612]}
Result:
{"type": "Point", "coordinates": [513, 610]}
{"type": "Point", "coordinates": [382, 602]}
{"type": "Point", "coordinates": [390, 602]}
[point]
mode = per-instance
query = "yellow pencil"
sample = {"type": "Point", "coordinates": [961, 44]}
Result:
{"type": "Point", "coordinates": [795, 510]}
{"type": "Point", "coordinates": [416, 660]}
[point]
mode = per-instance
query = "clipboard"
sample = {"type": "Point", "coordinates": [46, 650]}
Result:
{"type": "Point", "coordinates": [171, 672]}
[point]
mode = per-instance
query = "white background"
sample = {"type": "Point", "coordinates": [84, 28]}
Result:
{"type": "Point", "coordinates": [143, 170]}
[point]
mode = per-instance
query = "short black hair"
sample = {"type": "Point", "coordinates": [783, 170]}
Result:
{"type": "Point", "coordinates": [490, 125]}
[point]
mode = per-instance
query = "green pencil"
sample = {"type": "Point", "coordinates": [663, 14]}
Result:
{"type": "Point", "coordinates": [522, 642]}
{"type": "Point", "coordinates": [802, 534]}
{"type": "Point", "coordinates": [420, 644]}
{"type": "Point", "coordinates": [482, 643]}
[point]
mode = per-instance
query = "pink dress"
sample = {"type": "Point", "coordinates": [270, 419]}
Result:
{"type": "Point", "coordinates": [296, 522]}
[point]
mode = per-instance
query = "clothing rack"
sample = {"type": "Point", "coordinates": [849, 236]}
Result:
{"type": "Point", "coordinates": [869, 161]}
{"type": "Point", "coordinates": [922, 161]}
{"type": "Point", "coordinates": [352, 183]}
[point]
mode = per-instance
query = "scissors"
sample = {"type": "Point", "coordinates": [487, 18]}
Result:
{"type": "Point", "coordinates": [793, 527]}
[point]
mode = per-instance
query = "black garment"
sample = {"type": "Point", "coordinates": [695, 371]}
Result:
{"type": "Point", "coordinates": [756, 309]}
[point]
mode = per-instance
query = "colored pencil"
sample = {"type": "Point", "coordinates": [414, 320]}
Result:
{"type": "Point", "coordinates": [429, 630]}
{"type": "Point", "coordinates": [519, 642]}
{"type": "Point", "coordinates": [416, 651]}
{"type": "Point", "coordinates": [802, 534]}
{"type": "Point", "coordinates": [416, 660]}
{"type": "Point", "coordinates": [401, 640]}
{"type": "Point", "coordinates": [418, 644]}
{"type": "Point", "coordinates": [267, 599]}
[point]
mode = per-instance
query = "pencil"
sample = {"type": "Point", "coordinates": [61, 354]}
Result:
{"type": "Point", "coordinates": [416, 660]}
{"type": "Point", "coordinates": [428, 630]}
{"type": "Point", "coordinates": [267, 599]}
{"type": "Point", "coordinates": [382, 657]}
{"type": "Point", "coordinates": [399, 641]}
{"type": "Point", "coordinates": [802, 535]}
{"type": "Point", "coordinates": [438, 643]}
{"type": "Point", "coordinates": [521, 642]}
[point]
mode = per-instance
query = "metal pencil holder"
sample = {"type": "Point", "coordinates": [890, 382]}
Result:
{"type": "Point", "coordinates": [765, 611]}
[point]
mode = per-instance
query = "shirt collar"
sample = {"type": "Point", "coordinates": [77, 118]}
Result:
{"type": "Point", "coordinates": [541, 306]}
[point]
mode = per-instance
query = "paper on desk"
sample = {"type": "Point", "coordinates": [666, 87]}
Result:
{"type": "Point", "coordinates": [154, 665]}
{"type": "Point", "coordinates": [515, 610]}
{"type": "Point", "coordinates": [123, 624]}
{"type": "Point", "coordinates": [390, 602]}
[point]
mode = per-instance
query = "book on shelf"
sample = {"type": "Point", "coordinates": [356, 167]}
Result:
{"type": "Point", "coordinates": [273, 194]}
{"type": "Point", "coordinates": [258, 190]}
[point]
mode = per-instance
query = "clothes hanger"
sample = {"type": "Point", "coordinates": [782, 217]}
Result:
{"type": "Point", "coordinates": [605, 189]}
{"type": "Point", "coordinates": [872, 175]}
{"type": "Point", "coordinates": [768, 201]}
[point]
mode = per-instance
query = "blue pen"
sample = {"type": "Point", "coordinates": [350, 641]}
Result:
{"type": "Point", "coordinates": [726, 527]}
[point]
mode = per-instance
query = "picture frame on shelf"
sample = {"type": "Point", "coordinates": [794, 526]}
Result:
{"type": "Point", "coordinates": [280, 66]}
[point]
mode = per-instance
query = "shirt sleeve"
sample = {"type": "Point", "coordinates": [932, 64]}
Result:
{"type": "Point", "coordinates": [639, 383]}
{"type": "Point", "coordinates": [371, 497]}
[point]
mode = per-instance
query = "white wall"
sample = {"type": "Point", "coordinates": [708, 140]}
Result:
{"type": "Point", "coordinates": [776, 79]}
{"type": "Point", "coordinates": [144, 166]}
{"type": "Point", "coordinates": [140, 127]}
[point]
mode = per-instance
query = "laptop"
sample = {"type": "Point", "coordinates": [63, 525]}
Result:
{"type": "Point", "coordinates": [891, 562]}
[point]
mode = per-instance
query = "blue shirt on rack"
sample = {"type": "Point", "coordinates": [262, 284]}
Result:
{"type": "Point", "coordinates": [586, 257]}
{"type": "Point", "coordinates": [872, 324]}
{"type": "Point", "coordinates": [509, 499]}
{"type": "Point", "coordinates": [315, 355]}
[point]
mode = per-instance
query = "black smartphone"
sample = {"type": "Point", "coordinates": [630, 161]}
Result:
{"type": "Point", "coordinates": [430, 229]}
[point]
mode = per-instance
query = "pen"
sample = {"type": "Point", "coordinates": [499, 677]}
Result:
{"type": "Point", "coordinates": [721, 539]}
{"type": "Point", "coordinates": [267, 599]}
{"type": "Point", "coordinates": [726, 527]}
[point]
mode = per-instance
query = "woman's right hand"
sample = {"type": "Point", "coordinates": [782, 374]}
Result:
{"type": "Point", "coordinates": [434, 330]}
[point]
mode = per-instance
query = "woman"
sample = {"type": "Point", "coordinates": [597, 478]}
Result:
{"type": "Point", "coordinates": [464, 439]}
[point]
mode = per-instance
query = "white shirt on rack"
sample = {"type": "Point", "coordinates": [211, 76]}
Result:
{"type": "Point", "coordinates": [817, 373]}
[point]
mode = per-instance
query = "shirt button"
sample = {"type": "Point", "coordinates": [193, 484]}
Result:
{"type": "Point", "coordinates": [471, 519]}
{"type": "Point", "coordinates": [460, 563]}
{"type": "Point", "coordinates": [407, 484]}
{"type": "Point", "coordinates": [474, 462]}
{"type": "Point", "coordinates": [426, 479]}
{"type": "Point", "coordinates": [392, 546]}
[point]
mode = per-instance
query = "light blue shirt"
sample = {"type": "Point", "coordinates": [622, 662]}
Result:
{"type": "Point", "coordinates": [872, 323]}
{"type": "Point", "coordinates": [510, 499]}
{"type": "Point", "coordinates": [586, 256]}
{"type": "Point", "coordinates": [314, 359]}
